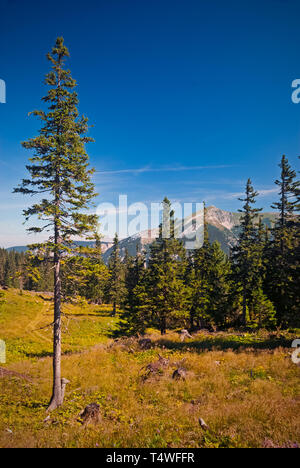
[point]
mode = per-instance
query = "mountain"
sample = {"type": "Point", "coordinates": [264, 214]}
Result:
{"type": "Point", "coordinates": [223, 226]}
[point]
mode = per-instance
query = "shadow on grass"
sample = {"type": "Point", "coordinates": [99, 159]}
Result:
{"type": "Point", "coordinates": [97, 314]}
{"type": "Point", "coordinates": [35, 405]}
{"type": "Point", "coordinates": [45, 354]}
{"type": "Point", "coordinates": [47, 298]}
{"type": "Point", "coordinates": [224, 343]}
{"type": "Point", "coordinates": [83, 315]}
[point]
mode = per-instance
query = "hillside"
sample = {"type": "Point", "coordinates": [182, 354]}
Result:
{"type": "Point", "coordinates": [244, 385]}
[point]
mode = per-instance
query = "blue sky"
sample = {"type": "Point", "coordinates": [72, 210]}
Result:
{"type": "Point", "coordinates": [188, 98]}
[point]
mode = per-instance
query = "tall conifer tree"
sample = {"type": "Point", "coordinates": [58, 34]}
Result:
{"type": "Point", "coordinates": [166, 290]}
{"type": "Point", "coordinates": [59, 172]}
{"type": "Point", "coordinates": [282, 282]}
{"type": "Point", "coordinates": [243, 255]}
{"type": "Point", "coordinates": [116, 282]}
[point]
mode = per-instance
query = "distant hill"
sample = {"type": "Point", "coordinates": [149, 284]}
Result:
{"type": "Point", "coordinates": [223, 226]}
{"type": "Point", "coordinates": [17, 248]}
{"type": "Point", "coordinates": [105, 245]}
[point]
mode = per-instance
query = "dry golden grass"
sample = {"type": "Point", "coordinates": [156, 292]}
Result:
{"type": "Point", "coordinates": [248, 395]}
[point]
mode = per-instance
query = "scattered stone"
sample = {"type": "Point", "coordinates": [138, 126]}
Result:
{"type": "Point", "coordinates": [203, 424]}
{"type": "Point", "coordinates": [90, 414]}
{"type": "Point", "coordinates": [196, 402]}
{"type": "Point", "coordinates": [145, 343]}
{"type": "Point", "coordinates": [125, 343]}
{"type": "Point", "coordinates": [163, 361]}
{"type": "Point", "coordinates": [179, 374]}
{"type": "Point", "coordinates": [268, 443]}
{"type": "Point", "coordinates": [155, 368]}
{"type": "Point", "coordinates": [184, 334]}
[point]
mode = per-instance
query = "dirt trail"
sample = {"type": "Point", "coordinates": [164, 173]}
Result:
{"type": "Point", "coordinates": [9, 373]}
{"type": "Point", "coordinates": [35, 325]}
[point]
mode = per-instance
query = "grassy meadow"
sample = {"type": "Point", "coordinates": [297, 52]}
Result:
{"type": "Point", "coordinates": [243, 385]}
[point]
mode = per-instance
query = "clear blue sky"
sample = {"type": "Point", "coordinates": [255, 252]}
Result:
{"type": "Point", "coordinates": [188, 98]}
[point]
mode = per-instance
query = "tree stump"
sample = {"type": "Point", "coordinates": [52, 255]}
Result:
{"type": "Point", "coordinates": [179, 374]}
{"type": "Point", "coordinates": [145, 343]}
{"type": "Point", "coordinates": [90, 414]}
{"type": "Point", "coordinates": [203, 424]}
{"type": "Point", "coordinates": [184, 334]}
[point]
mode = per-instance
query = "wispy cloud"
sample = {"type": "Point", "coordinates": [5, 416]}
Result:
{"type": "Point", "coordinates": [142, 170]}
{"type": "Point", "coordinates": [235, 195]}
{"type": "Point", "coordinates": [264, 193]}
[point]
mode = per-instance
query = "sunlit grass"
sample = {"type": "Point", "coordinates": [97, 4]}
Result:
{"type": "Point", "coordinates": [248, 395]}
{"type": "Point", "coordinates": [25, 324]}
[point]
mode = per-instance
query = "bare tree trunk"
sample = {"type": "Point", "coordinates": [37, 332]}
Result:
{"type": "Point", "coordinates": [57, 396]}
{"type": "Point", "coordinates": [192, 317]}
{"type": "Point", "coordinates": [163, 325]}
{"type": "Point", "coordinates": [244, 306]}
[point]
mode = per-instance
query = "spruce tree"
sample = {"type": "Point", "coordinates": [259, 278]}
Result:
{"type": "Point", "coordinates": [166, 290]}
{"type": "Point", "coordinates": [282, 283]}
{"type": "Point", "coordinates": [262, 312]}
{"type": "Point", "coordinates": [135, 318]}
{"type": "Point", "coordinates": [207, 282]}
{"type": "Point", "coordinates": [59, 173]}
{"type": "Point", "coordinates": [243, 254]}
{"type": "Point", "coordinates": [197, 280]}
{"type": "Point", "coordinates": [116, 287]}
{"type": "Point", "coordinates": [219, 287]}
{"type": "Point", "coordinates": [85, 276]}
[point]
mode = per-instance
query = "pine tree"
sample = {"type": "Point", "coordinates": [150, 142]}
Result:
{"type": "Point", "coordinates": [219, 287]}
{"type": "Point", "coordinates": [197, 280]}
{"type": "Point", "coordinates": [243, 255]}
{"type": "Point", "coordinates": [116, 287]}
{"type": "Point", "coordinates": [262, 312]}
{"type": "Point", "coordinates": [85, 276]}
{"type": "Point", "coordinates": [282, 283]}
{"type": "Point", "coordinates": [59, 172]}
{"type": "Point", "coordinates": [134, 318]}
{"type": "Point", "coordinates": [166, 295]}
{"type": "Point", "coordinates": [289, 188]}
{"type": "Point", "coordinates": [207, 281]}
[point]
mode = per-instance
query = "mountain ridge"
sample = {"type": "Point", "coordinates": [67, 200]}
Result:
{"type": "Point", "coordinates": [223, 226]}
